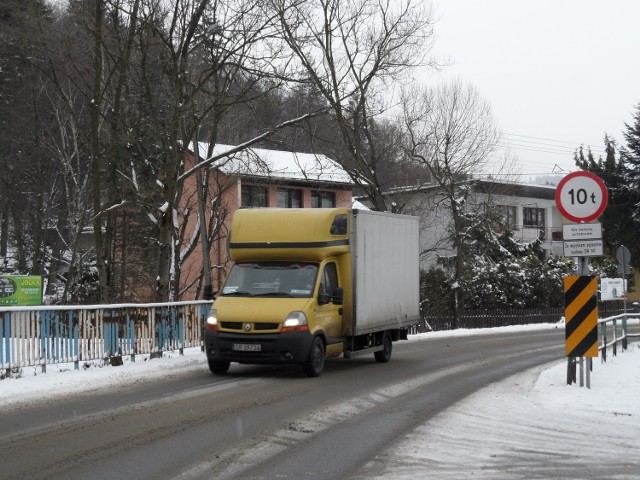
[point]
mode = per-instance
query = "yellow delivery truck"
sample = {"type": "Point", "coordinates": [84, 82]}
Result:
{"type": "Point", "coordinates": [309, 284]}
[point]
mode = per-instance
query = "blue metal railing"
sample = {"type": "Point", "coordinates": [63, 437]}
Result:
{"type": "Point", "coordinates": [46, 335]}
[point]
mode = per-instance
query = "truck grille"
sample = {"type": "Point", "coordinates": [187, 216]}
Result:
{"type": "Point", "coordinates": [266, 326]}
{"type": "Point", "coordinates": [231, 325]}
{"type": "Point", "coordinates": [254, 326]}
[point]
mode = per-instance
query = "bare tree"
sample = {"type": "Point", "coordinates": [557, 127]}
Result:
{"type": "Point", "coordinates": [65, 146]}
{"type": "Point", "coordinates": [355, 52]}
{"type": "Point", "coordinates": [198, 60]}
{"type": "Point", "coordinates": [158, 75]}
{"type": "Point", "coordinates": [451, 131]}
{"type": "Point", "coordinates": [132, 84]}
{"type": "Point", "coordinates": [89, 65]}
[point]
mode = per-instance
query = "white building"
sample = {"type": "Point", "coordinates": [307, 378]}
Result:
{"type": "Point", "coordinates": [530, 210]}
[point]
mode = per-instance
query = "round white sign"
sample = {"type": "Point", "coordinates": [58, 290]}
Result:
{"type": "Point", "coordinates": [581, 196]}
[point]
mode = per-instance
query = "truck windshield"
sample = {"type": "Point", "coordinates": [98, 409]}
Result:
{"type": "Point", "coordinates": [285, 279]}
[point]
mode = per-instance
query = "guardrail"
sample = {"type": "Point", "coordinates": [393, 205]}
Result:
{"type": "Point", "coordinates": [44, 335]}
{"type": "Point", "coordinates": [620, 333]}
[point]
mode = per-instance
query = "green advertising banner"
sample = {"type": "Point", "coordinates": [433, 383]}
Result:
{"type": "Point", "coordinates": [19, 290]}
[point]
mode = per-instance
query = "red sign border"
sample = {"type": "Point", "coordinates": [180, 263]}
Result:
{"type": "Point", "coordinates": [599, 182]}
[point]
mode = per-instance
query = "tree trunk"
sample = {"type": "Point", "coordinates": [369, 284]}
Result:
{"type": "Point", "coordinates": [4, 231]}
{"type": "Point", "coordinates": [102, 257]}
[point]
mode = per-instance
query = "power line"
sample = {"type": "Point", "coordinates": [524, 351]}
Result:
{"type": "Point", "coordinates": [556, 147]}
{"type": "Point", "coordinates": [533, 148]}
{"type": "Point", "coordinates": [545, 139]}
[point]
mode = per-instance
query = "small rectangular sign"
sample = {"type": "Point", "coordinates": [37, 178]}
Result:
{"type": "Point", "coordinates": [612, 288]}
{"type": "Point", "coordinates": [581, 231]}
{"type": "Point", "coordinates": [19, 290]}
{"type": "Point", "coordinates": [583, 248]}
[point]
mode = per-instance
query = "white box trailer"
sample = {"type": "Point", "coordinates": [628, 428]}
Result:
{"type": "Point", "coordinates": [385, 251]}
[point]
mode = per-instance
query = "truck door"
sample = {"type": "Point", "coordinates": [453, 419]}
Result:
{"type": "Point", "coordinates": [329, 314]}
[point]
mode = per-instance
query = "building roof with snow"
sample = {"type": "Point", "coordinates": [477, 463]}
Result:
{"type": "Point", "coordinates": [513, 189]}
{"type": "Point", "coordinates": [277, 165]}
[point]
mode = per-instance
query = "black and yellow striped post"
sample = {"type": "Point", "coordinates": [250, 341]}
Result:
{"type": "Point", "coordinates": [581, 321]}
{"type": "Point", "coordinates": [581, 316]}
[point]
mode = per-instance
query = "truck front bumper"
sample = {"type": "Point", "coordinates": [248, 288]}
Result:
{"type": "Point", "coordinates": [289, 347]}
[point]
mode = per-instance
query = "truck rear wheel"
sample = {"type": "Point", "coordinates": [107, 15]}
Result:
{"type": "Point", "coordinates": [315, 364]}
{"type": "Point", "coordinates": [219, 367]}
{"type": "Point", "coordinates": [384, 355]}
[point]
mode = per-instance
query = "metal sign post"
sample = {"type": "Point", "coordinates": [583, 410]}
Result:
{"type": "Point", "coordinates": [584, 270]}
{"type": "Point", "coordinates": [624, 258]}
{"type": "Point", "coordinates": [581, 197]}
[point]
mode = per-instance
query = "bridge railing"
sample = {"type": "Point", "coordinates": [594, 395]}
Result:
{"type": "Point", "coordinates": [45, 335]}
{"type": "Point", "coordinates": [614, 330]}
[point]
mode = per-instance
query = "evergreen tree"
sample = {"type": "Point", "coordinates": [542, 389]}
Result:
{"type": "Point", "coordinates": [28, 181]}
{"type": "Point", "coordinates": [630, 160]}
{"type": "Point", "coordinates": [620, 220]}
{"type": "Point", "coordinates": [630, 155]}
{"type": "Point", "coordinates": [503, 273]}
{"type": "Point", "coordinates": [436, 294]}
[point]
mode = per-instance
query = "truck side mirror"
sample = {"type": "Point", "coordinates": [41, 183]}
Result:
{"type": "Point", "coordinates": [338, 296]}
{"type": "Point", "coordinates": [323, 298]}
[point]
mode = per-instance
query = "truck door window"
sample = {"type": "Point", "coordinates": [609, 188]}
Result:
{"type": "Point", "coordinates": [329, 279]}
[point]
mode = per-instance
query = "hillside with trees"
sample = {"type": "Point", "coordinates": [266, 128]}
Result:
{"type": "Point", "coordinates": [100, 99]}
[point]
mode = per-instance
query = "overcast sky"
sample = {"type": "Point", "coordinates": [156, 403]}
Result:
{"type": "Point", "coordinates": [557, 73]}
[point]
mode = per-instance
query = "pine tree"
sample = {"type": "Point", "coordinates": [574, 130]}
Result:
{"type": "Point", "coordinates": [503, 273]}
{"type": "Point", "coordinates": [27, 180]}
{"type": "Point", "coordinates": [619, 225]}
{"type": "Point", "coordinates": [630, 155]}
{"type": "Point", "coordinates": [630, 163]}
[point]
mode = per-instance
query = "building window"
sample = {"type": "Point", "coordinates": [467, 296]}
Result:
{"type": "Point", "coordinates": [533, 217]}
{"type": "Point", "coordinates": [289, 198]}
{"type": "Point", "coordinates": [322, 199]}
{"type": "Point", "coordinates": [253, 196]}
{"type": "Point", "coordinates": [508, 213]}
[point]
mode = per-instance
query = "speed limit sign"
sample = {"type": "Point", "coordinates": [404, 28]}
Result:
{"type": "Point", "coordinates": [581, 196]}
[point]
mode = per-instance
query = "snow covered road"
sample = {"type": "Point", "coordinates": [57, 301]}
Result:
{"type": "Point", "coordinates": [528, 426]}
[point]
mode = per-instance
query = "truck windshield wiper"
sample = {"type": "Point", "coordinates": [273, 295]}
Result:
{"type": "Point", "coordinates": [279, 294]}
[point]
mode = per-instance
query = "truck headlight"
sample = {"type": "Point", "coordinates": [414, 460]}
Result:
{"type": "Point", "coordinates": [212, 320]}
{"type": "Point", "coordinates": [294, 322]}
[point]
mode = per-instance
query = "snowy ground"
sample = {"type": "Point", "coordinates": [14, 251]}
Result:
{"type": "Point", "coordinates": [532, 425]}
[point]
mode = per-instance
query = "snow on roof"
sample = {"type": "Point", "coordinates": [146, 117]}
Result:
{"type": "Point", "coordinates": [358, 205]}
{"type": "Point", "coordinates": [276, 164]}
{"type": "Point", "coordinates": [500, 186]}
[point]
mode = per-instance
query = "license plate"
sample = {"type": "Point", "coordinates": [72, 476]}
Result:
{"type": "Point", "coordinates": [246, 347]}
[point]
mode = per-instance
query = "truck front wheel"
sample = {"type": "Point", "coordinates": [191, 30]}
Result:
{"type": "Point", "coordinates": [384, 355]}
{"type": "Point", "coordinates": [314, 365]}
{"type": "Point", "coordinates": [218, 367]}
